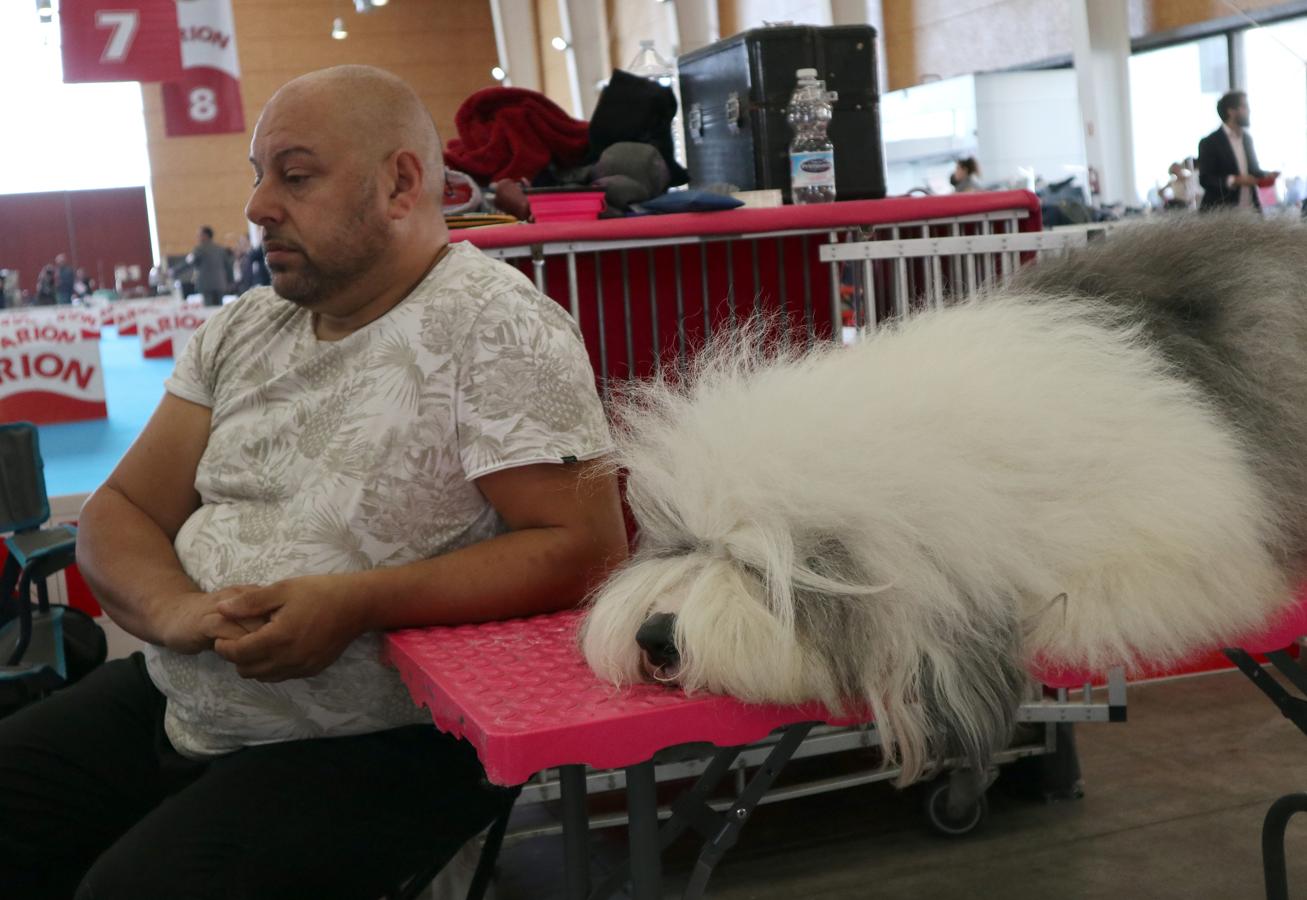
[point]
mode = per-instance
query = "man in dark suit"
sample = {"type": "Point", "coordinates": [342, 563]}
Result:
{"type": "Point", "coordinates": [1227, 164]}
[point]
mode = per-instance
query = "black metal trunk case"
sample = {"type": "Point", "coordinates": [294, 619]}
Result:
{"type": "Point", "coordinates": [734, 94]}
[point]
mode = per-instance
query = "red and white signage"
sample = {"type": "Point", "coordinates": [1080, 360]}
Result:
{"type": "Point", "coordinates": [126, 311]}
{"type": "Point", "coordinates": [206, 99]}
{"type": "Point", "coordinates": [165, 330]}
{"type": "Point", "coordinates": [120, 40]}
{"type": "Point", "coordinates": [50, 368]}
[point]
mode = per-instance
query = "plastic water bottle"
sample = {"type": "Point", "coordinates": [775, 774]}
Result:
{"type": "Point", "coordinates": [812, 155]}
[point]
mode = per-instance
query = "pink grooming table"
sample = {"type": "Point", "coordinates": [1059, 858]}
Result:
{"type": "Point", "coordinates": [520, 692]}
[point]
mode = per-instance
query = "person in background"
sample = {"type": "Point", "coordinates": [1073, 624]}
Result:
{"type": "Point", "coordinates": [1181, 191]}
{"type": "Point", "coordinates": [965, 176]}
{"type": "Point", "coordinates": [83, 286]}
{"type": "Point", "coordinates": [212, 269]}
{"type": "Point", "coordinates": [240, 281]}
{"type": "Point", "coordinates": [1227, 164]}
{"type": "Point", "coordinates": [46, 286]}
{"type": "Point", "coordinates": [65, 278]}
{"type": "Point", "coordinates": [251, 270]}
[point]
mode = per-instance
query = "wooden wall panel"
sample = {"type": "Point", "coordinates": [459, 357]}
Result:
{"type": "Point", "coordinates": [444, 48]}
{"type": "Point", "coordinates": [925, 39]}
{"type": "Point", "coordinates": [1166, 15]}
{"type": "Point", "coordinates": [555, 82]}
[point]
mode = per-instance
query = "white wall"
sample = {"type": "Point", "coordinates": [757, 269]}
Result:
{"type": "Point", "coordinates": [1012, 122]}
{"type": "Point", "coordinates": [752, 13]}
{"type": "Point", "coordinates": [1029, 120]}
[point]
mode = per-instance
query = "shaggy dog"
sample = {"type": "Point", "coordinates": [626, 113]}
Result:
{"type": "Point", "coordinates": [1104, 462]}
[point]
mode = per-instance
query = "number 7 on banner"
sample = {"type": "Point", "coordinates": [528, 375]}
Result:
{"type": "Point", "coordinates": [120, 40]}
{"type": "Point", "coordinates": [123, 24]}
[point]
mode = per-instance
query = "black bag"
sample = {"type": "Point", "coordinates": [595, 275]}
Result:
{"type": "Point", "coordinates": [734, 94]}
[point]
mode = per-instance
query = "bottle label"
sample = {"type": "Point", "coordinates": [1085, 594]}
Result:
{"type": "Point", "coordinates": [814, 169]}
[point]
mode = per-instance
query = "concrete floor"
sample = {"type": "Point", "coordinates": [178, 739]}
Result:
{"type": "Point", "coordinates": [1173, 806]}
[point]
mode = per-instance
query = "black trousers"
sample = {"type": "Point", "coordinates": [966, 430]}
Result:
{"type": "Point", "coordinates": [95, 803]}
{"type": "Point", "coordinates": [213, 298]}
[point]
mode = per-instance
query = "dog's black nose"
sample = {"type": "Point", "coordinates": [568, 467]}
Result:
{"type": "Point", "coordinates": [657, 638]}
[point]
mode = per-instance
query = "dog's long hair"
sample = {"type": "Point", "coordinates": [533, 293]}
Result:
{"type": "Point", "coordinates": [1104, 463]}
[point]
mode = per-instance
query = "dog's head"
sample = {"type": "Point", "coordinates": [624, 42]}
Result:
{"type": "Point", "coordinates": [699, 619]}
{"type": "Point", "coordinates": [941, 675]}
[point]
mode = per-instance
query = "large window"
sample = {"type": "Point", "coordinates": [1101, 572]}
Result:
{"type": "Point", "coordinates": [1277, 98]}
{"type": "Point", "coordinates": [1173, 94]}
{"type": "Point", "coordinates": [56, 136]}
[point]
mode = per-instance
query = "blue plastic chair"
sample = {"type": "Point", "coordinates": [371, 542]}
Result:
{"type": "Point", "coordinates": [32, 647]}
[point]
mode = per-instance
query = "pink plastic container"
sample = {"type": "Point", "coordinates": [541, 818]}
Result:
{"type": "Point", "coordinates": [567, 206]}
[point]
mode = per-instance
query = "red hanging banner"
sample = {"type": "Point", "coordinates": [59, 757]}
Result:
{"type": "Point", "coordinates": [120, 40]}
{"type": "Point", "coordinates": [206, 99]}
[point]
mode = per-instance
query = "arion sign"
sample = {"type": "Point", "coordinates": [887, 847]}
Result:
{"type": "Point", "coordinates": [50, 367]}
{"type": "Point", "coordinates": [206, 99]}
{"type": "Point", "coordinates": [166, 329]}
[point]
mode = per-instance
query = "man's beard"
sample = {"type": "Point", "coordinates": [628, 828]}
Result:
{"type": "Point", "coordinates": [1243, 121]}
{"type": "Point", "coordinates": [349, 257]}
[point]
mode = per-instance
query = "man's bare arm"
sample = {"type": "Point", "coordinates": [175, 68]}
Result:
{"type": "Point", "coordinates": [567, 534]}
{"type": "Point", "coordinates": [126, 529]}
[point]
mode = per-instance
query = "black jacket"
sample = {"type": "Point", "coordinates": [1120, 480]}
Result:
{"type": "Point", "coordinates": [1216, 163]}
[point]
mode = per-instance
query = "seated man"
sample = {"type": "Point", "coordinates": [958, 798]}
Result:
{"type": "Point", "coordinates": [394, 435]}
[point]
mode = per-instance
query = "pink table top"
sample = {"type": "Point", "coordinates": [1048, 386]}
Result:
{"type": "Point", "coordinates": [520, 692]}
{"type": "Point", "coordinates": [845, 214]}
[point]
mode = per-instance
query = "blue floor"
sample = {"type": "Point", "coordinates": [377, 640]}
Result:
{"type": "Point", "coordinates": [80, 455]}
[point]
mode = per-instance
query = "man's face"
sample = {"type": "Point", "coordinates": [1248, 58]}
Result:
{"type": "Point", "coordinates": [316, 198]}
{"type": "Point", "coordinates": [1241, 117]}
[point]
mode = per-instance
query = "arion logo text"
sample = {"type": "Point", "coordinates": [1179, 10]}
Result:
{"type": "Point", "coordinates": [815, 166]}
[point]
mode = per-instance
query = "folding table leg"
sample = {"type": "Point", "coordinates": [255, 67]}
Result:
{"type": "Point", "coordinates": [576, 832]}
{"type": "Point", "coordinates": [646, 849]}
{"type": "Point", "coordinates": [1292, 708]}
{"type": "Point", "coordinates": [732, 822]}
{"type": "Point", "coordinates": [1273, 828]}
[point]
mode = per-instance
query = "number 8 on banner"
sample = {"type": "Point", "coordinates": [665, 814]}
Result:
{"type": "Point", "coordinates": [132, 40]}
{"type": "Point", "coordinates": [204, 105]}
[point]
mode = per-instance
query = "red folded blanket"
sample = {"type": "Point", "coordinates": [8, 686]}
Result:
{"type": "Point", "coordinates": [514, 133]}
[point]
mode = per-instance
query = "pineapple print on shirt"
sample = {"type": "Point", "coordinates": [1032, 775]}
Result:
{"type": "Point", "coordinates": [344, 456]}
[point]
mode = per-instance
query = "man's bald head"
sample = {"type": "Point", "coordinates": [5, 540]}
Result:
{"type": "Point", "coordinates": [348, 178]}
{"type": "Point", "coordinates": [379, 109]}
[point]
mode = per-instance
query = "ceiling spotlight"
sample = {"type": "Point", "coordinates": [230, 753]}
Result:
{"type": "Point", "coordinates": [380, 2]}
{"type": "Point", "coordinates": [498, 74]}
{"type": "Point", "coordinates": [338, 29]}
{"type": "Point", "coordinates": [558, 43]}
{"type": "Point", "coordinates": [44, 10]}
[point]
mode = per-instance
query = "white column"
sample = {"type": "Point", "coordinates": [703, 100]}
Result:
{"type": "Point", "coordinates": [697, 25]}
{"type": "Point", "coordinates": [515, 39]}
{"type": "Point", "coordinates": [1100, 36]}
{"type": "Point", "coordinates": [585, 28]}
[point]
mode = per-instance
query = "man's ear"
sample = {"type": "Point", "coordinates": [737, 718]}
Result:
{"type": "Point", "coordinates": [408, 176]}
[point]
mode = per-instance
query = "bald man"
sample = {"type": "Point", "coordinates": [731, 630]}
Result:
{"type": "Point", "coordinates": [395, 434]}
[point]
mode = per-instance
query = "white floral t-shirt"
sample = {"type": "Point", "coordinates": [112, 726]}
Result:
{"type": "Point", "coordinates": [342, 456]}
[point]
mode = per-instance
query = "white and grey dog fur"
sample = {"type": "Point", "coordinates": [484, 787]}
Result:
{"type": "Point", "coordinates": [1104, 462]}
